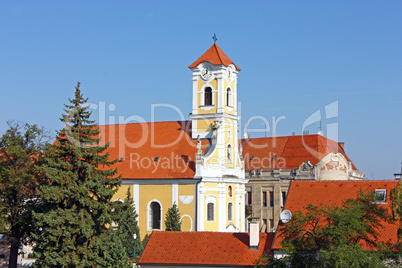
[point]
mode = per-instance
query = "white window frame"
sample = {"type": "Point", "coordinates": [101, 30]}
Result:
{"type": "Point", "coordinates": [210, 199]}
{"type": "Point", "coordinates": [382, 192]}
{"type": "Point", "coordinates": [231, 211]}
{"type": "Point", "coordinates": [229, 97]}
{"type": "Point", "coordinates": [150, 217]}
{"type": "Point", "coordinates": [202, 102]}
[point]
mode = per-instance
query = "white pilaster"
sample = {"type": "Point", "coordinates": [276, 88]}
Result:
{"type": "Point", "coordinates": [238, 206]}
{"type": "Point", "coordinates": [136, 199]}
{"type": "Point", "coordinates": [175, 194]}
{"type": "Point", "coordinates": [200, 207]}
{"type": "Point", "coordinates": [221, 94]}
{"type": "Point", "coordinates": [222, 207]}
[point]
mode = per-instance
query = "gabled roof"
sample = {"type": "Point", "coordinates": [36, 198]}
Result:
{"type": "Point", "coordinates": [288, 152]}
{"type": "Point", "coordinates": [203, 248]}
{"type": "Point", "coordinates": [333, 193]}
{"type": "Point", "coordinates": [215, 56]}
{"type": "Point", "coordinates": [158, 150]}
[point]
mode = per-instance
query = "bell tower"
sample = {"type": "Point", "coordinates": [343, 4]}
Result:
{"type": "Point", "coordinates": [221, 167]}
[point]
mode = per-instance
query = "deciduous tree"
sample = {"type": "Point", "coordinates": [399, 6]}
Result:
{"type": "Point", "coordinates": [21, 150]}
{"type": "Point", "coordinates": [326, 236]}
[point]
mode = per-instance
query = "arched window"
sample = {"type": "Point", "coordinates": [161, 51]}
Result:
{"type": "Point", "coordinates": [228, 97]}
{"type": "Point", "coordinates": [208, 96]}
{"type": "Point", "coordinates": [210, 211]}
{"type": "Point", "coordinates": [155, 215]}
{"type": "Point", "coordinates": [229, 153]}
{"type": "Point", "coordinates": [230, 193]}
{"type": "Point", "coordinates": [230, 211]}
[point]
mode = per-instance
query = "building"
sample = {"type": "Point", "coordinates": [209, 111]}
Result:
{"type": "Point", "coordinates": [195, 164]}
{"type": "Point", "coordinates": [272, 163]}
{"type": "Point", "coordinates": [333, 193]}
{"type": "Point", "coordinates": [201, 165]}
{"type": "Point", "coordinates": [205, 249]}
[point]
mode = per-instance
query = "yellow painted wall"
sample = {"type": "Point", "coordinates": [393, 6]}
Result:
{"type": "Point", "coordinates": [188, 190]}
{"type": "Point", "coordinates": [231, 199]}
{"type": "Point", "coordinates": [122, 192]}
{"type": "Point", "coordinates": [205, 125]}
{"type": "Point", "coordinates": [231, 85]}
{"type": "Point", "coordinates": [211, 225]}
{"type": "Point", "coordinates": [163, 194]}
{"type": "Point", "coordinates": [200, 85]}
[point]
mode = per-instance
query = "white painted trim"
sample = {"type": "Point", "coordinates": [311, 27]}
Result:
{"type": "Point", "coordinates": [175, 194]}
{"type": "Point", "coordinates": [149, 229]}
{"type": "Point", "coordinates": [191, 220]}
{"type": "Point", "coordinates": [158, 181]}
{"type": "Point", "coordinates": [136, 199]}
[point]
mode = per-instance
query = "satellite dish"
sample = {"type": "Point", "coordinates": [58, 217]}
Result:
{"type": "Point", "coordinates": [285, 216]}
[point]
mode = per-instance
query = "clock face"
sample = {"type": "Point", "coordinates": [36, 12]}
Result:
{"type": "Point", "coordinates": [206, 72]}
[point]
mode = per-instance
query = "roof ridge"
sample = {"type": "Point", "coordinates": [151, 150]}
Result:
{"type": "Point", "coordinates": [217, 52]}
{"type": "Point", "coordinates": [172, 121]}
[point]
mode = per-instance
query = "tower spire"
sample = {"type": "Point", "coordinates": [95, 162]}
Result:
{"type": "Point", "coordinates": [214, 38]}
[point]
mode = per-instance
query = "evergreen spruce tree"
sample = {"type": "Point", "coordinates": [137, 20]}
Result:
{"type": "Point", "coordinates": [126, 218]}
{"type": "Point", "coordinates": [75, 214]}
{"type": "Point", "coordinates": [172, 221]}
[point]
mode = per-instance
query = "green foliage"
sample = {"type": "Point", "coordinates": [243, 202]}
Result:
{"type": "Point", "coordinates": [332, 236]}
{"type": "Point", "coordinates": [21, 150]}
{"type": "Point", "coordinates": [126, 218]}
{"type": "Point", "coordinates": [350, 255]}
{"type": "Point", "coordinates": [396, 200]}
{"type": "Point", "coordinates": [76, 210]}
{"type": "Point", "coordinates": [172, 221]}
{"type": "Point", "coordinates": [115, 255]}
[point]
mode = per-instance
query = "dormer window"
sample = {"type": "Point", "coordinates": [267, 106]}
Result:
{"type": "Point", "coordinates": [228, 97]}
{"type": "Point", "coordinates": [380, 196]}
{"type": "Point", "coordinates": [208, 96]}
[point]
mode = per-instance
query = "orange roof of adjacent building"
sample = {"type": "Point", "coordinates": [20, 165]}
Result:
{"type": "Point", "coordinates": [215, 56]}
{"type": "Point", "coordinates": [203, 248]}
{"type": "Point", "coordinates": [165, 150]}
{"type": "Point", "coordinates": [333, 193]}
{"type": "Point", "coordinates": [288, 152]}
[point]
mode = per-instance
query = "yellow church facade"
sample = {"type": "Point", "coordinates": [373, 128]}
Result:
{"type": "Point", "coordinates": [195, 164]}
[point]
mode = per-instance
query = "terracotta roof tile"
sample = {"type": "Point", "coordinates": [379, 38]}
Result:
{"type": "Point", "coordinates": [288, 152]}
{"type": "Point", "coordinates": [165, 150]}
{"type": "Point", "coordinates": [203, 248]}
{"type": "Point", "coordinates": [215, 56]}
{"type": "Point", "coordinates": [159, 150]}
{"type": "Point", "coordinates": [333, 193]}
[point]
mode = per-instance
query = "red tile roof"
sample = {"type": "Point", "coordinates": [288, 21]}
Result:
{"type": "Point", "coordinates": [203, 248]}
{"type": "Point", "coordinates": [159, 150]}
{"type": "Point", "coordinates": [333, 193]}
{"type": "Point", "coordinates": [289, 151]}
{"type": "Point", "coordinates": [215, 56]}
{"type": "Point", "coordinates": [139, 145]}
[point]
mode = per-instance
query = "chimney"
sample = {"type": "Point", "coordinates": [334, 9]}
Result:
{"type": "Point", "coordinates": [254, 230]}
{"type": "Point", "coordinates": [342, 145]}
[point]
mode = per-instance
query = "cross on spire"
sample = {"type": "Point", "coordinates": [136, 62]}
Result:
{"type": "Point", "coordinates": [214, 38]}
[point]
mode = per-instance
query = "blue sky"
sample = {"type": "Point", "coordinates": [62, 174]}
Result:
{"type": "Point", "coordinates": [297, 58]}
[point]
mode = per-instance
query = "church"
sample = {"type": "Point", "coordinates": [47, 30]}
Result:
{"type": "Point", "coordinates": [203, 167]}
{"type": "Point", "coordinates": [195, 164]}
